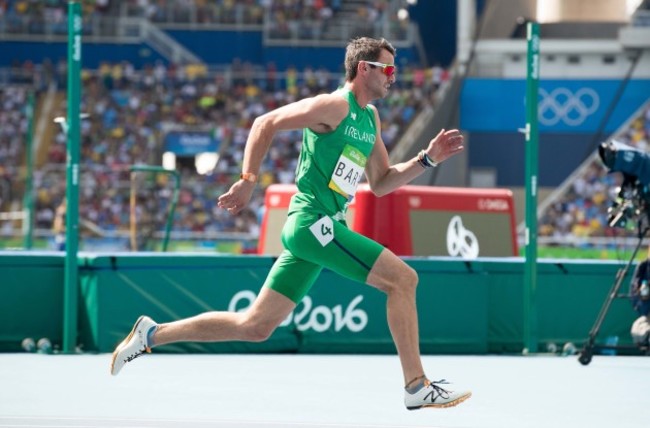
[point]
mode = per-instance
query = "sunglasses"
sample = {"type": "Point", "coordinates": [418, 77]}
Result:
{"type": "Point", "coordinates": [387, 69]}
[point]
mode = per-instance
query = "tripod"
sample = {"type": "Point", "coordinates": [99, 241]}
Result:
{"type": "Point", "coordinates": [590, 346]}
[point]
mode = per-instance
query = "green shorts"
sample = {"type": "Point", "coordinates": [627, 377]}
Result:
{"type": "Point", "coordinates": [313, 241]}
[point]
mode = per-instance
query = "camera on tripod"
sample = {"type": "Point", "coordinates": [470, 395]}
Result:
{"type": "Point", "coordinates": [632, 202]}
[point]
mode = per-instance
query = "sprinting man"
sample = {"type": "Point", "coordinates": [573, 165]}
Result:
{"type": "Point", "coordinates": [341, 141]}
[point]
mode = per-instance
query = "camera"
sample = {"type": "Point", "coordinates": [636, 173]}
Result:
{"type": "Point", "coordinates": [632, 202]}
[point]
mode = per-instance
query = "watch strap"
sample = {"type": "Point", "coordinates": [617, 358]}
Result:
{"type": "Point", "coordinates": [248, 176]}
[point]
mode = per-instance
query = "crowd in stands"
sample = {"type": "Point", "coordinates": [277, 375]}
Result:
{"type": "Point", "coordinates": [47, 16]}
{"type": "Point", "coordinates": [13, 127]}
{"type": "Point", "coordinates": [131, 110]}
{"type": "Point", "coordinates": [286, 19]}
{"type": "Point", "coordinates": [201, 11]}
{"type": "Point", "coordinates": [304, 19]}
{"type": "Point", "coordinates": [324, 19]}
{"type": "Point", "coordinates": [582, 212]}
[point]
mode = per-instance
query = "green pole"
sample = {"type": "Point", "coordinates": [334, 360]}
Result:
{"type": "Point", "coordinates": [532, 148]}
{"type": "Point", "coordinates": [71, 290]}
{"type": "Point", "coordinates": [28, 198]}
{"type": "Point", "coordinates": [172, 207]}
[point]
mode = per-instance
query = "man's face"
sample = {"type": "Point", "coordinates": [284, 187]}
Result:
{"type": "Point", "coordinates": [381, 76]}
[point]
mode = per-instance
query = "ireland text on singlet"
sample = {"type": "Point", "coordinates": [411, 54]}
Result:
{"type": "Point", "coordinates": [332, 164]}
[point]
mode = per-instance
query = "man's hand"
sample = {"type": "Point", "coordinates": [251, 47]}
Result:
{"type": "Point", "coordinates": [445, 145]}
{"type": "Point", "coordinates": [237, 197]}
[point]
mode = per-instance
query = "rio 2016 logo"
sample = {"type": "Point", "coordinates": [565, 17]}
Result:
{"type": "Point", "coordinates": [310, 317]}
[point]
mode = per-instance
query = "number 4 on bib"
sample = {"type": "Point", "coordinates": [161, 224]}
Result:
{"type": "Point", "coordinates": [323, 230]}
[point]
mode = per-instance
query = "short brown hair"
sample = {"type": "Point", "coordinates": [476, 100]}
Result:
{"type": "Point", "coordinates": [363, 49]}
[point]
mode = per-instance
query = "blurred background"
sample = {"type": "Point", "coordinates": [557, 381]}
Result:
{"type": "Point", "coordinates": [178, 83]}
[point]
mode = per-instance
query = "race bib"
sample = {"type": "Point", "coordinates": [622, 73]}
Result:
{"type": "Point", "coordinates": [323, 230]}
{"type": "Point", "coordinates": [348, 171]}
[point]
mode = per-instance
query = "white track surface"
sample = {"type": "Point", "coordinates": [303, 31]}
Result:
{"type": "Point", "coordinates": [317, 391]}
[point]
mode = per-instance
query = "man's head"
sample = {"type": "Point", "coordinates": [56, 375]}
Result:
{"type": "Point", "coordinates": [364, 49]}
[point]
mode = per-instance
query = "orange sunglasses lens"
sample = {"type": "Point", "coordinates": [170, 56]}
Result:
{"type": "Point", "coordinates": [389, 70]}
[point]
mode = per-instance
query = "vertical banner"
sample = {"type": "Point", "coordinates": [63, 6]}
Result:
{"type": "Point", "coordinates": [71, 288]}
{"type": "Point", "coordinates": [532, 149]}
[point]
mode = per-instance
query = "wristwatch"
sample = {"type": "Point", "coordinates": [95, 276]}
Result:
{"type": "Point", "coordinates": [248, 176]}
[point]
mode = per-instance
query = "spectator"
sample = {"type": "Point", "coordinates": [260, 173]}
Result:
{"type": "Point", "coordinates": [131, 110]}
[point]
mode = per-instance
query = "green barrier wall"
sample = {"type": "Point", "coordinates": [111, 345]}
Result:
{"type": "Point", "coordinates": [464, 307]}
{"type": "Point", "coordinates": [31, 298]}
{"type": "Point", "coordinates": [117, 289]}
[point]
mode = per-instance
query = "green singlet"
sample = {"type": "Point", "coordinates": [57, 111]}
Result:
{"type": "Point", "coordinates": [315, 234]}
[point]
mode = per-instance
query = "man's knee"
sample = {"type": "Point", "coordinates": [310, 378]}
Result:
{"type": "Point", "coordinates": [405, 281]}
{"type": "Point", "coordinates": [256, 331]}
{"type": "Point", "coordinates": [410, 281]}
{"type": "Point", "coordinates": [391, 274]}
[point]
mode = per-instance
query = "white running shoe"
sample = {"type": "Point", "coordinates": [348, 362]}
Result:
{"type": "Point", "coordinates": [133, 346]}
{"type": "Point", "coordinates": [433, 395]}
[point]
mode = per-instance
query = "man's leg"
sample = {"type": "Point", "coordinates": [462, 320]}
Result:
{"type": "Point", "coordinates": [398, 280]}
{"type": "Point", "coordinates": [360, 258]}
{"type": "Point", "coordinates": [255, 325]}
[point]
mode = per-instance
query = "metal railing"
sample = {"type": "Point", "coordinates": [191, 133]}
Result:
{"type": "Point", "coordinates": [335, 32]}
{"type": "Point", "coordinates": [189, 14]}
{"type": "Point", "coordinates": [125, 29]}
{"type": "Point", "coordinates": [36, 28]}
{"type": "Point", "coordinates": [158, 39]}
{"type": "Point", "coordinates": [135, 28]}
{"type": "Point", "coordinates": [641, 18]}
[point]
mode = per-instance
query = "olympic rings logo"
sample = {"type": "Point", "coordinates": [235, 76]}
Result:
{"type": "Point", "coordinates": [563, 105]}
{"type": "Point", "coordinates": [460, 241]}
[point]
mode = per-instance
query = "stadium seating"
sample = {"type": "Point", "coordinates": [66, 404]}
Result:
{"type": "Point", "coordinates": [129, 112]}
